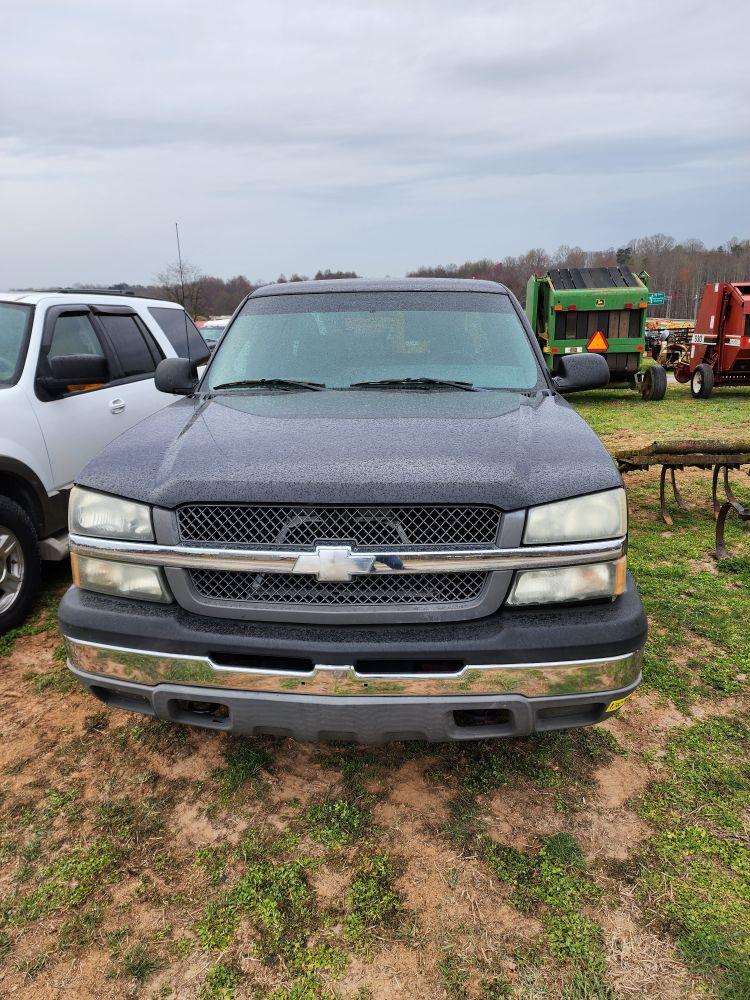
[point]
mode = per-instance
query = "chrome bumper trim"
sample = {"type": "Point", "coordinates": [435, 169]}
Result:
{"type": "Point", "coordinates": [529, 679]}
{"type": "Point", "coordinates": [365, 561]}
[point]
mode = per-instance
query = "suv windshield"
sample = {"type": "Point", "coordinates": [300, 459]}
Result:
{"type": "Point", "coordinates": [341, 338]}
{"type": "Point", "coordinates": [15, 320]}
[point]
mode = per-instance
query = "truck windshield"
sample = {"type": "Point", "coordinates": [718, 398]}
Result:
{"type": "Point", "coordinates": [342, 338]}
{"type": "Point", "coordinates": [15, 320]}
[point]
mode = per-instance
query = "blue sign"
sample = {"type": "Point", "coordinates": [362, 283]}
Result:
{"type": "Point", "coordinates": [656, 298]}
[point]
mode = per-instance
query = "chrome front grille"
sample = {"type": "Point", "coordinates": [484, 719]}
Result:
{"type": "Point", "coordinates": [366, 526]}
{"type": "Point", "coordinates": [288, 589]}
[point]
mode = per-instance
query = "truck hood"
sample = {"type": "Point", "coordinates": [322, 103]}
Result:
{"type": "Point", "coordinates": [404, 446]}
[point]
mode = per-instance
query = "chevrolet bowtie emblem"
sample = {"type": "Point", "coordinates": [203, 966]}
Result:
{"type": "Point", "coordinates": [334, 563]}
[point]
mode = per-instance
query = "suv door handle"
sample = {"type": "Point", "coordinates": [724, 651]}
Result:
{"type": "Point", "coordinates": [116, 405]}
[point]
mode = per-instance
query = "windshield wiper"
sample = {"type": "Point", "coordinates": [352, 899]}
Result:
{"type": "Point", "coordinates": [273, 383]}
{"type": "Point", "coordinates": [415, 383]}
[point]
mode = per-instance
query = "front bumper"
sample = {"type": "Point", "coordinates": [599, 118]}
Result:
{"type": "Point", "coordinates": [506, 674]}
{"type": "Point", "coordinates": [368, 719]}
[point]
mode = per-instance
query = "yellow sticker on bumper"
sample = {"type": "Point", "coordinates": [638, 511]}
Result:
{"type": "Point", "coordinates": [618, 703]}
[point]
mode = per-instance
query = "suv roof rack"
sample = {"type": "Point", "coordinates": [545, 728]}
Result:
{"type": "Point", "coordinates": [91, 291]}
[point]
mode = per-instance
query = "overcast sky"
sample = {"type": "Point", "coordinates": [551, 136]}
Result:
{"type": "Point", "coordinates": [378, 136]}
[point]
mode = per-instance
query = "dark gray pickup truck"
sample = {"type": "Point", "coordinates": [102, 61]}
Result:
{"type": "Point", "coordinates": [374, 518]}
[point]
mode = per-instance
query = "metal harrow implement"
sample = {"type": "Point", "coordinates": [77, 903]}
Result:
{"type": "Point", "coordinates": [720, 456]}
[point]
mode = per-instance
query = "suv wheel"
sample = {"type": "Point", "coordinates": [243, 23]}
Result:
{"type": "Point", "coordinates": [19, 564]}
{"type": "Point", "coordinates": [702, 382]}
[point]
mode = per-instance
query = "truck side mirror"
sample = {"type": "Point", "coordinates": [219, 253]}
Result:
{"type": "Point", "coordinates": [69, 372]}
{"type": "Point", "coordinates": [178, 376]}
{"type": "Point", "coordinates": [578, 372]}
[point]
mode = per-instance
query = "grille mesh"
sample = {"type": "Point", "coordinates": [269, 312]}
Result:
{"type": "Point", "coordinates": [248, 524]}
{"type": "Point", "coordinates": [291, 589]}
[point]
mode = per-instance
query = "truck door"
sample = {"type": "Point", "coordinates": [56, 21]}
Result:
{"type": "Point", "coordinates": [137, 354]}
{"type": "Point", "coordinates": [77, 425]}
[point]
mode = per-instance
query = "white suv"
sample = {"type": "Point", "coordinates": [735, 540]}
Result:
{"type": "Point", "coordinates": [76, 370]}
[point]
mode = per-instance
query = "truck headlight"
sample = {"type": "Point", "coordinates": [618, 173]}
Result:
{"type": "Point", "coordinates": [569, 583]}
{"type": "Point", "coordinates": [105, 576]}
{"type": "Point", "coordinates": [581, 519]}
{"type": "Point", "coordinates": [104, 516]}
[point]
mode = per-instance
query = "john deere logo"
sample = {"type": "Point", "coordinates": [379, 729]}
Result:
{"type": "Point", "coordinates": [599, 302]}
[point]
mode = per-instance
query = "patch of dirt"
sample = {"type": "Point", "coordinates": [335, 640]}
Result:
{"type": "Point", "coordinates": [520, 814]}
{"type": "Point", "coordinates": [646, 721]}
{"type": "Point", "coordinates": [411, 799]}
{"type": "Point", "coordinates": [640, 964]}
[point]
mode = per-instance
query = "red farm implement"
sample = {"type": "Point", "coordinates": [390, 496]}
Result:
{"type": "Point", "coordinates": [720, 345]}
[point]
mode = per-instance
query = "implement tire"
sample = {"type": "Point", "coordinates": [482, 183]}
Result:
{"type": "Point", "coordinates": [654, 385]}
{"type": "Point", "coordinates": [702, 382]}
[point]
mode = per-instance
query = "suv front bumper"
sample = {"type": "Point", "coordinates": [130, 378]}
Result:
{"type": "Point", "coordinates": [504, 675]}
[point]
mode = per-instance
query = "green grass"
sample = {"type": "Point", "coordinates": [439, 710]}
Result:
{"type": "Point", "coordinates": [137, 962]}
{"type": "Point", "coordinates": [615, 413]}
{"type": "Point", "coordinates": [67, 882]}
{"type": "Point", "coordinates": [213, 862]}
{"type": "Point", "coordinates": [336, 822]}
{"type": "Point", "coordinates": [555, 886]}
{"type": "Point", "coordinates": [695, 870]}
{"type": "Point", "coordinates": [57, 681]}
{"type": "Point", "coordinates": [222, 982]}
{"type": "Point", "coordinates": [372, 901]}
{"type": "Point", "coordinates": [132, 821]}
{"type": "Point", "coordinates": [43, 618]}
{"type": "Point", "coordinates": [276, 898]}
{"type": "Point", "coordinates": [685, 602]}
{"type": "Point", "coordinates": [245, 759]}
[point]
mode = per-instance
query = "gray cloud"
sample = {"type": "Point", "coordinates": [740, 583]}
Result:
{"type": "Point", "coordinates": [376, 135]}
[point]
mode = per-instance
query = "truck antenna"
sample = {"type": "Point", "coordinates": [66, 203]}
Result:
{"type": "Point", "coordinates": [182, 290]}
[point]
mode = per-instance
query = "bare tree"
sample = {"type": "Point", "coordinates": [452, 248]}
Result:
{"type": "Point", "coordinates": [188, 287]}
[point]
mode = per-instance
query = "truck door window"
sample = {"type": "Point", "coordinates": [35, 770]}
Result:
{"type": "Point", "coordinates": [181, 331]}
{"type": "Point", "coordinates": [74, 335]}
{"type": "Point", "coordinates": [136, 355]}
{"type": "Point", "coordinates": [15, 321]}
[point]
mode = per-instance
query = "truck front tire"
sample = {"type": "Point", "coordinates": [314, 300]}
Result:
{"type": "Point", "coordinates": [702, 382]}
{"type": "Point", "coordinates": [19, 564]}
{"type": "Point", "coordinates": [654, 386]}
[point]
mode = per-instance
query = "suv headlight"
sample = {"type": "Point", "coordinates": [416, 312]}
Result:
{"type": "Point", "coordinates": [588, 518]}
{"type": "Point", "coordinates": [104, 516]}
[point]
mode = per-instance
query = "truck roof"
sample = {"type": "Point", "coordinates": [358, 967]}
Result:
{"type": "Point", "coordinates": [579, 278]}
{"type": "Point", "coordinates": [382, 285]}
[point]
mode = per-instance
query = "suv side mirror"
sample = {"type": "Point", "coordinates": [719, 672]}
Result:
{"type": "Point", "coordinates": [74, 371]}
{"type": "Point", "coordinates": [578, 372]}
{"type": "Point", "coordinates": [176, 375]}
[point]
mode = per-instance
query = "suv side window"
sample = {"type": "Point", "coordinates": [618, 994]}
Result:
{"type": "Point", "coordinates": [135, 349]}
{"type": "Point", "coordinates": [74, 335]}
{"type": "Point", "coordinates": [181, 332]}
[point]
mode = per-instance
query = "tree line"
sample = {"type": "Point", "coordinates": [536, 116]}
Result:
{"type": "Point", "coordinates": [204, 295]}
{"type": "Point", "coordinates": [680, 270]}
